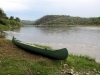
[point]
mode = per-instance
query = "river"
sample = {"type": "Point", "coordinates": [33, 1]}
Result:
{"type": "Point", "coordinates": [78, 40]}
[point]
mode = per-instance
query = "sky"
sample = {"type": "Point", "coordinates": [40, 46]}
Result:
{"type": "Point", "coordinates": [35, 9]}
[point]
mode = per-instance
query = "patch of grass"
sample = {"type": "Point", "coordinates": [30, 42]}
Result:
{"type": "Point", "coordinates": [82, 63]}
{"type": "Point", "coordinates": [24, 67]}
{"type": "Point", "coordinates": [42, 46]}
{"type": "Point", "coordinates": [15, 61]}
{"type": "Point", "coordinates": [5, 27]}
{"type": "Point", "coordinates": [12, 66]}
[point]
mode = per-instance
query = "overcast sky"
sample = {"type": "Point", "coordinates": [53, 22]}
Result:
{"type": "Point", "coordinates": [35, 9]}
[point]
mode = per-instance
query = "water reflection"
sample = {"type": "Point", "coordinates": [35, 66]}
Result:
{"type": "Point", "coordinates": [57, 30]}
{"type": "Point", "coordinates": [16, 29]}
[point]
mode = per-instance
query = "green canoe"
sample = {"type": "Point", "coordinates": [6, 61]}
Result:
{"type": "Point", "coordinates": [60, 54]}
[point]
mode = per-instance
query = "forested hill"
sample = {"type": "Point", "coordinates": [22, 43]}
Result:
{"type": "Point", "coordinates": [27, 22]}
{"type": "Point", "coordinates": [67, 20]}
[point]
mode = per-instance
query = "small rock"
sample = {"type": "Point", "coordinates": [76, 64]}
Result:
{"type": "Point", "coordinates": [87, 74]}
{"type": "Point", "coordinates": [75, 74]}
{"type": "Point", "coordinates": [38, 73]}
{"type": "Point", "coordinates": [62, 70]}
{"type": "Point", "coordinates": [65, 65]}
{"type": "Point", "coordinates": [72, 71]}
{"type": "Point", "coordinates": [99, 72]}
{"type": "Point", "coordinates": [94, 69]}
{"type": "Point", "coordinates": [69, 73]}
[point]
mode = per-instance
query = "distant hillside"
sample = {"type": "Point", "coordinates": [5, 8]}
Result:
{"type": "Point", "coordinates": [67, 20]}
{"type": "Point", "coordinates": [27, 22]}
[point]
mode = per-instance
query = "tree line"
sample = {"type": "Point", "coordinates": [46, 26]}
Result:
{"type": "Point", "coordinates": [8, 21]}
{"type": "Point", "coordinates": [66, 20]}
{"type": "Point", "coordinates": [27, 22]}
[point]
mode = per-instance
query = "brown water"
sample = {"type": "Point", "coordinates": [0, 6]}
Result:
{"type": "Point", "coordinates": [78, 40]}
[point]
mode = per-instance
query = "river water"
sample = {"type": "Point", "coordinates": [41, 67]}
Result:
{"type": "Point", "coordinates": [78, 40]}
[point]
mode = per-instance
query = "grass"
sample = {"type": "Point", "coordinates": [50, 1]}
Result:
{"type": "Point", "coordinates": [24, 67]}
{"type": "Point", "coordinates": [5, 27]}
{"type": "Point", "coordinates": [15, 61]}
{"type": "Point", "coordinates": [42, 46]}
{"type": "Point", "coordinates": [83, 63]}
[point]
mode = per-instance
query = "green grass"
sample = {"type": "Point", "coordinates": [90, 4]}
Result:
{"type": "Point", "coordinates": [42, 46]}
{"type": "Point", "coordinates": [15, 61]}
{"type": "Point", "coordinates": [82, 63]}
{"type": "Point", "coordinates": [3, 27]}
{"type": "Point", "coordinates": [16, 66]}
{"type": "Point", "coordinates": [24, 67]}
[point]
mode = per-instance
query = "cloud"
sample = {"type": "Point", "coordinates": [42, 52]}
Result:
{"type": "Point", "coordinates": [27, 8]}
{"type": "Point", "coordinates": [14, 5]}
{"type": "Point", "coordinates": [47, 5]}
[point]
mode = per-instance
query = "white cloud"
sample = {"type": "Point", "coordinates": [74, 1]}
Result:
{"type": "Point", "coordinates": [14, 5]}
{"type": "Point", "coordinates": [43, 5]}
{"type": "Point", "coordinates": [82, 8]}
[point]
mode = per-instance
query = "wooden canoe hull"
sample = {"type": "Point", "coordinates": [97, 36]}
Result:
{"type": "Point", "coordinates": [60, 54]}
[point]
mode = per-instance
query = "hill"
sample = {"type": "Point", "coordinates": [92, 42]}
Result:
{"type": "Point", "coordinates": [67, 20]}
{"type": "Point", "coordinates": [27, 22]}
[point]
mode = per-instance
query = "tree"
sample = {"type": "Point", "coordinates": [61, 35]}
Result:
{"type": "Point", "coordinates": [2, 14]}
{"type": "Point", "coordinates": [11, 18]}
{"type": "Point", "coordinates": [17, 19]}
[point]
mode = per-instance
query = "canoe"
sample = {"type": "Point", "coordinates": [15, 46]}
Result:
{"type": "Point", "coordinates": [60, 54]}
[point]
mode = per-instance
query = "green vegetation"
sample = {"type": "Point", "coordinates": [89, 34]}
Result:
{"type": "Point", "coordinates": [42, 46]}
{"type": "Point", "coordinates": [67, 20]}
{"type": "Point", "coordinates": [15, 61]}
{"type": "Point", "coordinates": [8, 22]}
{"type": "Point", "coordinates": [27, 22]}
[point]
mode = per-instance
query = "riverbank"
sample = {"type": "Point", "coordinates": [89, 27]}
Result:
{"type": "Point", "coordinates": [7, 23]}
{"type": "Point", "coordinates": [15, 61]}
{"type": "Point", "coordinates": [9, 27]}
{"type": "Point", "coordinates": [78, 49]}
